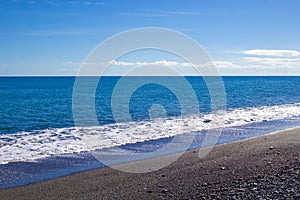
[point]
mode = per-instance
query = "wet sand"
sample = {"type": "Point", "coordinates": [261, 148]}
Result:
{"type": "Point", "coordinates": [266, 167]}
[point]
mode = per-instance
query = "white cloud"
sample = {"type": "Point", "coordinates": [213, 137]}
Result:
{"type": "Point", "coordinates": [270, 60]}
{"type": "Point", "coordinates": [225, 64]}
{"type": "Point", "coordinates": [273, 62]}
{"type": "Point", "coordinates": [218, 64]}
{"type": "Point", "coordinates": [158, 63]}
{"type": "Point", "coordinates": [248, 63]}
{"type": "Point", "coordinates": [277, 53]}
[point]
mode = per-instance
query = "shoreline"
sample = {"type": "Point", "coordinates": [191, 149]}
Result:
{"type": "Point", "coordinates": [19, 174]}
{"type": "Point", "coordinates": [241, 168]}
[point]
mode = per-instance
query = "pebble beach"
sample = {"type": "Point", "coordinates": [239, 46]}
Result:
{"type": "Point", "coordinates": [264, 167]}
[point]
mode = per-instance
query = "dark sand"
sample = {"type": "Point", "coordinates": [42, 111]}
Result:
{"type": "Point", "coordinates": [265, 167]}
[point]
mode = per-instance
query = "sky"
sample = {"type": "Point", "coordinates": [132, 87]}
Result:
{"type": "Point", "coordinates": [242, 37]}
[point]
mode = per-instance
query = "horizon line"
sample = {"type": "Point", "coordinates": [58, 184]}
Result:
{"type": "Point", "coordinates": [224, 75]}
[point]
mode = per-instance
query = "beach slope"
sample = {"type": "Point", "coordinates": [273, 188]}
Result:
{"type": "Point", "coordinates": [266, 166]}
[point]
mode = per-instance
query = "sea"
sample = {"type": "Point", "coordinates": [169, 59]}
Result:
{"type": "Point", "coordinates": [40, 138]}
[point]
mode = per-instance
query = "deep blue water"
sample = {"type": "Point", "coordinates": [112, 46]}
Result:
{"type": "Point", "coordinates": [36, 103]}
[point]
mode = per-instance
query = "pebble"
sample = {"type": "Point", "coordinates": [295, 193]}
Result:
{"type": "Point", "coordinates": [281, 185]}
{"type": "Point", "coordinates": [204, 184]}
{"type": "Point", "coordinates": [213, 195]}
{"type": "Point", "coordinates": [241, 189]}
{"type": "Point", "coordinates": [164, 190]}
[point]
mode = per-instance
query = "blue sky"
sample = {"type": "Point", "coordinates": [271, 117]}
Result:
{"type": "Point", "coordinates": [53, 37]}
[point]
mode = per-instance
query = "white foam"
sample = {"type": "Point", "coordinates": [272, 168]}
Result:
{"type": "Point", "coordinates": [32, 145]}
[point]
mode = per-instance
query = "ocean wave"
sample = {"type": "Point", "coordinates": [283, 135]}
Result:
{"type": "Point", "coordinates": [24, 146]}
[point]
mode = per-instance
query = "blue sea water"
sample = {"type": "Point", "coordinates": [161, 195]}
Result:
{"type": "Point", "coordinates": [36, 103]}
{"type": "Point", "coordinates": [36, 119]}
